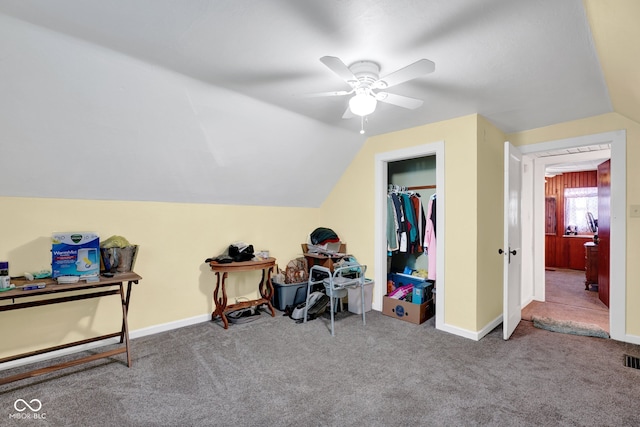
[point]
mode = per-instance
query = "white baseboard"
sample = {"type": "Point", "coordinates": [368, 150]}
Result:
{"type": "Point", "coordinates": [156, 329]}
{"type": "Point", "coordinates": [473, 335]}
{"type": "Point", "coordinates": [526, 302]}
{"type": "Point", "coordinates": [151, 330]}
{"type": "Point", "coordinates": [632, 339]}
{"type": "Point", "coordinates": [490, 326]}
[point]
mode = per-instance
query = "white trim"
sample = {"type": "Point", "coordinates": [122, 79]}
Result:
{"type": "Point", "coordinates": [538, 229]}
{"type": "Point", "coordinates": [151, 330]}
{"type": "Point", "coordinates": [527, 235]}
{"type": "Point", "coordinates": [164, 327]}
{"type": "Point", "coordinates": [618, 267]}
{"type": "Point", "coordinates": [578, 141]}
{"type": "Point", "coordinates": [633, 339]}
{"type": "Point", "coordinates": [380, 243]}
{"type": "Point", "coordinates": [476, 336]}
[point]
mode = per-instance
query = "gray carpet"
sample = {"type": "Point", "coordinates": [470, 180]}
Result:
{"type": "Point", "coordinates": [274, 372]}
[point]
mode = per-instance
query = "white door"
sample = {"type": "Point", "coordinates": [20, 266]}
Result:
{"type": "Point", "coordinates": [512, 309]}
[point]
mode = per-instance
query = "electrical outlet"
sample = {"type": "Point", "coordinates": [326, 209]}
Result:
{"type": "Point", "coordinates": [634, 211]}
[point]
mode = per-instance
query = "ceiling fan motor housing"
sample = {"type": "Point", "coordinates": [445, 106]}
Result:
{"type": "Point", "coordinates": [367, 73]}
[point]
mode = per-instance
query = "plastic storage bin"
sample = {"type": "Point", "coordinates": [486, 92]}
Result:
{"type": "Point", "coordinates": [285, 294]}
{"type": "Point", "coordinates": [355, 298]}
{"type": "Point", "coordinates": [400, 279]}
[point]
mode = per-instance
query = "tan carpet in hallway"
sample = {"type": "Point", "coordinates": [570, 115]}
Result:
{"type": "Point", "coordinates": [566, 299]}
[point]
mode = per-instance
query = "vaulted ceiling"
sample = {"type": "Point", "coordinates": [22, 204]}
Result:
{"type": "Point", "coordinates": [204, 101]}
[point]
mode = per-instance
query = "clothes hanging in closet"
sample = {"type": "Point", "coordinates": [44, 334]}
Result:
{"type": "Point", "coordinates": [406, 222]}
{"type": "Point", "coordinates": [430, 237]}
{"type": "Point", "coordinates": [393, 243]}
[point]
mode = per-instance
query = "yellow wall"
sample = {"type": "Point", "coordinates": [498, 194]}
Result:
{"type": "Point", "coordinates": [174, 240]}
{"type": "Point", "coordinates": [490, 185]}
{"type": "Point", "coordinates": [593, 125]}
{"type": "Point", "coordinates": [349, 209]}
{"type": "Point", "coordinates": [474, 205]}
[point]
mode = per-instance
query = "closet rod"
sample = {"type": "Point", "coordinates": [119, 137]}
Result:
{"type": "Point", "coordinates": [421, 187]}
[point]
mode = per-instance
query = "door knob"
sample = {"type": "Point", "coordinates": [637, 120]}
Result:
{"type": "Point", "coordinates": [500, 251]}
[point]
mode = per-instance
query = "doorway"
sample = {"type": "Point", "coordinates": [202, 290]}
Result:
{"type": "Point", "coordinates": [534, 282]}
{"type": "Point", "coordinates": [571, 255]}
{"type": "Point", "coordinates": [567, 300]}
{"type": "Point", "coordinates": [382, 161]}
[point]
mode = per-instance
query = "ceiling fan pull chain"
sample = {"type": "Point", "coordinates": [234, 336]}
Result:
{"type": "Point", "coordinates": [361, 125]}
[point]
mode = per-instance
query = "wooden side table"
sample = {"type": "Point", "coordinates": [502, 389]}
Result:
{"type": "Point", "coordinates": [54, 293]}
{"type": "Point", "coordinates": [591, 264]}
{"type": "Point", "coordinates": [220, 293]}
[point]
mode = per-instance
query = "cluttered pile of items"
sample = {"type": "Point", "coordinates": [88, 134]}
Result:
{"type": "Point", "coordinates": [292, 293]}
{"type": "Point", "coordinates": [409, 297]}
{"type": "Point", "coordinates": [307, 280]}
{"type": "Point", "coordinates": [76, 256]}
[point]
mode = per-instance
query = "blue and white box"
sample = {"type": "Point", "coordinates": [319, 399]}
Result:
{"type": "Point", "coordinates": [419, 293]}
{"type": "Point", "coordinates": [75, 254]}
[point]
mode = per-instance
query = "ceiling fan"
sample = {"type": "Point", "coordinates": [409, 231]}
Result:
{"type": "Point", "coordinates": [368, 87]}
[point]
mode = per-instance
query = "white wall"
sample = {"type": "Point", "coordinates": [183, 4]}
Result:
{"type": "Point", "coordinates": [81, 121]}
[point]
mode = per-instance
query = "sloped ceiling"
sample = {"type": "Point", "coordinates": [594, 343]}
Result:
{"type": "Point", "coordinates": [615, 29]}
{"type": "Point", "coordinates": [201, 101]}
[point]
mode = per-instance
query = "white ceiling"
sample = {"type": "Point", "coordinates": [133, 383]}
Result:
{"type": "Point", "coordinates": [200, 101]}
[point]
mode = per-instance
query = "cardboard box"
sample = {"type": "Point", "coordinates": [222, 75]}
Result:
{"type": "Point", "coordinates": [75, 254]}
{"type": "Point", "coordinates": [407, 311]}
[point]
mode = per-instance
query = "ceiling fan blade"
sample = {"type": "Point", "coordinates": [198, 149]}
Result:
{"type": "Point", "coordinates": [333, 93]}
{"type": "Point", "coordinates": [348, 114]}
{"type": "Point", "coordinates": [410, 72]}
{"type": "Point", "coordinates": [337, 66]}
{"type": "Point", "coordinates": [399, 100]}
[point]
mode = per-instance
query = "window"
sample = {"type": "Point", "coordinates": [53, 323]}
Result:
{"type": "Point", "coordinates": [578, 203]}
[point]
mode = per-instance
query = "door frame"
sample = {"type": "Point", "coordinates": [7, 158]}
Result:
{"type": "Point", "coordinates": [618, 276]}
{"type": "Point", "coordinates": [536, 289]}
{"type": "Point", "coordinates": [380, 244]}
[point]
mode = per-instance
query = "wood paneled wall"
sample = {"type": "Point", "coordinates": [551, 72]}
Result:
{"type": "Point", "coordinates": [566, 252]}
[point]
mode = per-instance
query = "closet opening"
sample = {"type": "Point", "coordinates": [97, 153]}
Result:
{"type": "Point", "coordinates": [418, 174]}
{"type": "Point", "coordinates": [411, 220]}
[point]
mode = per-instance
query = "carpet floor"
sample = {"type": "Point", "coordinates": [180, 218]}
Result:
{"type": "Point", "coordinates": [274, 372]}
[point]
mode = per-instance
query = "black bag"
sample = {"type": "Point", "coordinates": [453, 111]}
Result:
{"type": "Point", "coordinates": [241, 252]}
{"type": "Point", "coordinates": [243, 315]}
{"type": "Point", "coordinates": [318, 302]}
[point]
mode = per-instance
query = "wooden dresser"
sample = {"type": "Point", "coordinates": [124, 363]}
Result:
{"type": "Point", "coordinates": [591, 264]}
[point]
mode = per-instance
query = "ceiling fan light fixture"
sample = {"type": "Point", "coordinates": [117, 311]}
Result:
{"type": "Point", "coordinates": [362, 104]}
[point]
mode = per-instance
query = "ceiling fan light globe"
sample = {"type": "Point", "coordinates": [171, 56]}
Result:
{"type": "Point", "coordinates": [362, 104]}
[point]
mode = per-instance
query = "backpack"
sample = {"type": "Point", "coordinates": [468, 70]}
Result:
{"type": "Point", "coordinates": [240, 252]}
{"type": "Point", "coordinates": [318, 302]}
